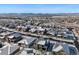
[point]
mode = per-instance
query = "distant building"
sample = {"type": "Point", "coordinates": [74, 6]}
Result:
{"type": "Point", "coordinates": [12, 26]}
{"type": "Point", "coordinates": [37, 30]}
{"type": "Point", "coordinates": [69, 35]}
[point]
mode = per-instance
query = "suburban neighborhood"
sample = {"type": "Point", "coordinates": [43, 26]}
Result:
{"type": "Point", "coordinates": [36, 35]}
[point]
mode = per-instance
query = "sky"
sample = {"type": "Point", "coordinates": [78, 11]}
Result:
{"type": "Point", "coordinates": [39, 8]}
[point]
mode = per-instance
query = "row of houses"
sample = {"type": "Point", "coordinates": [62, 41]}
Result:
{"type": "Point", "coordinates": [6, 37]}
{"type": "Point", "coordinates": [62, 33]}
{"type": "Point", "coordinates": [57, 48]}
{"type": "Point", "coordinates": [46, 46]}
{"type": "Point", "coordinates": [32, 44]}
{"type": "Point", "coordinates": [14, 42]}
{"type": "Point", "coordinates": [32, 29]}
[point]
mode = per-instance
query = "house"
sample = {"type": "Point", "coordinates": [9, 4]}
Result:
{"type": "Point", "coordinates": [18, 28]}
{"type": "Point", "coordinates": [14, 37]}
{"type": "Point", "coordinates": [41, 43]}
{"type": "Point", "coordinates": [26, 28]}
{"type": "Point", "coordinates": [70, 49]}
{"type": "Point", "coordinates": [33, 30]}
{"type": "Point", "coordinates": [3, 36]}
{"type": "Point", "coordinates": [27, 41]}
{"type": "Point", "coordinates": [12, 26]}
{"type": "Point", "coordinates": [45, 45]}
{"type": "Point", "coordinates": [14, 49]}
{"type": "Point", "coordinates": [69, 35]}
{"type": "Point", "coordinates": [40, 30]}
{"type": "Point", "coordinates": [9, 50]}
{"type": "Point", "coordinates": [27, 51]}
{"type": "Point", "coordinates": [52, 32]}
{"type": "Point", "coordinates": [30, 51]}
{"type": "Point", "coordinates": [37, 30]}
{"type": "Point", "coordinates": [64, 49]}
{"type": "Point", "coordinates": [5, 33]}
{"type": "Point", "coordinates": [58, 49]}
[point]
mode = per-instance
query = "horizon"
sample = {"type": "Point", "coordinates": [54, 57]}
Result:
{"type": "Point", "coordinates": [41, 13]}
{"type": "Point", "coordinates": [39, 8]}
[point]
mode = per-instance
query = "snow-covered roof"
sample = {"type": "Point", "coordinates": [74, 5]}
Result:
{"type": "Point", "coordinates": [2, 37]}
{"type": "Point", "coordinates": [24, 52]}
{"type": "Point", "coordinates": [27, 40]}
{"type": "Point", "coordinates": [58, 48]}
{"type": "Point", "coordinates": [11, 36]}
{"type": "Point", "coordinates": [5, 33]}
{"type": "Point", "coordinates": [32, 30]}
{"type": "Point", "coordinates": [8, 49]}
{"type": "Point", "coordinates": [40, 29]}
{"type": "Point", "coordinates": [42, 42]}
{"type": "Point", "coordinates": [15, 35]}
